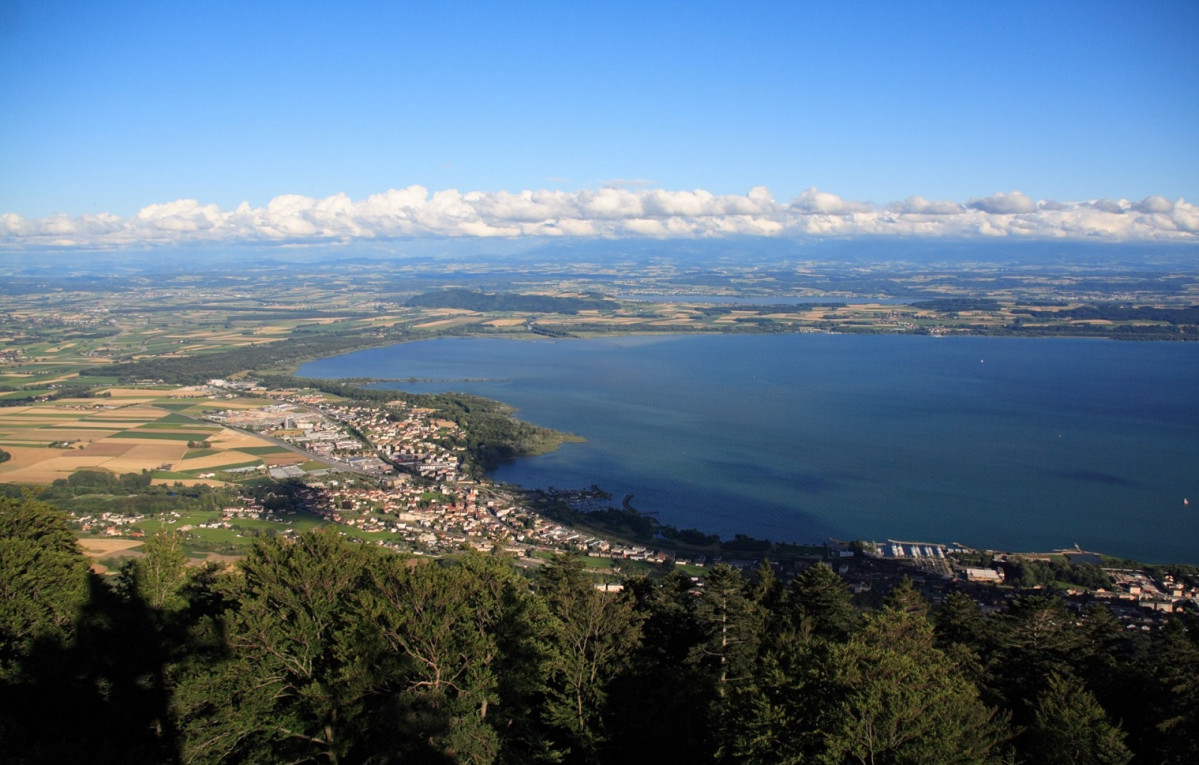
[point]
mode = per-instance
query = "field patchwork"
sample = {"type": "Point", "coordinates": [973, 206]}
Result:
{"type": "Point", "coordinates": [131, 436]}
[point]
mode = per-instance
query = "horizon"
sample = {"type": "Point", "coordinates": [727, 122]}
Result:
{"type": "Point", "coordinates": [516, 254]}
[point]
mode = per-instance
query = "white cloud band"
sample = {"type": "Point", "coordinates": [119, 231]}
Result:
{"type": "Point", "coordinates": [606, 212]}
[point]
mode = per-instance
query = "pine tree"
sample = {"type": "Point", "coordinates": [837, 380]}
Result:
{"type": "Point", "coordinates": [819, 602]}
{"type": "Point", "coordinates": [732, 623]}
{"type": "Point", "coordinates": [43, 580]}
{"type": "Point", "coordinates": [1036, 637]}
{"type": "Point", "coordinates": [777, 718]}
{"type": "Point", "coordinates": [653, 708]}
{"type": "Point", "coordinates": [452, 631]}
{"type": "Point", "coordinates": [960, 621]}
{"type": "Point", "coordinates": [1070, 728]}
{"type": "Point", "coordinates": [296, 678]}
{"type": "Point", "coordinates": [896, 698]}
{"type": "Point", "coordinates": [160, 574]}
{"type": "Point", "coordinates": [592, 637]}
{"type": "Point", "coordinates": [1169, 700]}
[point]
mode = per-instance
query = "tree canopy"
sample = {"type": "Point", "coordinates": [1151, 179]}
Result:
{"type": "Point", "coordinates": [321, 649]}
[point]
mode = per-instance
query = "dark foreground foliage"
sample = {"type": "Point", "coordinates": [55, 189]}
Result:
{"type": "Point", "coordinates": [323, 650]}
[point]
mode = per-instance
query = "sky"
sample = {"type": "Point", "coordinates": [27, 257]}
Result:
{"type": "Point", "coordinates": [129, 124]}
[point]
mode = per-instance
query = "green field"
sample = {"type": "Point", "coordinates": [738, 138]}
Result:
{"type": "Point", "coordinates": [243, 531]}
{"type": "Point", "coordinates": [194, 453]}
{"type": "Point", "coordinates": [161, 436]}
{"type": "Point", "coordinates": [260, 450]}
{"type": "Point", "coordinates": [241, 535]}
{"type": "Point", "coordinates": [50, 414]}
{"type": "Point", "coordinates": [19, 394]}
{"type": "Point", "coordinates": [113, 420]}
{"type": "Point", "coordinates": [178, 418]}
{"type": "Point", "coordinates": [175, 475]}
{"type": "Point", "coordinates": [313, 465]}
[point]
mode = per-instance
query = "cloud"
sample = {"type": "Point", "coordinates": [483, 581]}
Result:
{"type": "Point", "coordinates": [1154, 204]}
{"type": "Point", "coordinates": [1004, 204]}
{"type": "Point", "coordinates": [921, 206]}
{"type": "Point", "coordinates": [612, 212]}
{"type": "Point", "coordinates": [1108, 206]}
{"type": "Point", "coordinates": [816, 201]}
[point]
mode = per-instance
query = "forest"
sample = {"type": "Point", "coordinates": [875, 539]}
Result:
{"type": "Point", "coordinates": [1113, 312]}
{"type": "Point", "coordinates": [198, 369]}
{"type": "Point", "coordinates": [476, 300]}
{"type": "Point", "coordinates": [318, 649]}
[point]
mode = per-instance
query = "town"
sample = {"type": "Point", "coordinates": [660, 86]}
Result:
{"type": "Point", "coordinates": [393, 474]}
{"type": "Point", "coordinates": [185, 378]}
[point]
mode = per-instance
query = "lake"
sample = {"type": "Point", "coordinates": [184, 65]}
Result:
{"type": "Point", "coordinates": [1004, 443]}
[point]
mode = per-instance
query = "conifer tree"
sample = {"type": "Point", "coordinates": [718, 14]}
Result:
{"type": "Point", "coordinates": [777, 717]}
{"type": "Point", "coordinates": [960, 621]}
{"type": "Point", "coordinates": [159, 575]}
{"type": "Point", "coordinates": [1036, 637]}
{"type": "Point", "coordinates": [450, 632]}
{"type": "Point", "coordinates": [653, 707]}
{"type": "Point", "coordinates": [819, 602]}
{"type": "Point", "coordinates": [296, 679]}
{"type": "Point", "coordinates": [593, 636]}
{"type": "Point", "coordinates": [44, 585]}
{"type": "Point", "coordinates": [1169, 699]}
{"type": "Point", "coordinates": [732, 622]}
{"type": "Point", "coordinates": [43, 579]}
{"type": "Point", "coordinates": [896, 698]}
{"type": "Point", "coordinates": [1069, 728]}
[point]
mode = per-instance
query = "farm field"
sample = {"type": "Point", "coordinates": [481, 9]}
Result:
{"type": "Point", "coordinates": [125, 432]}
{"type": "Point", "coordinates": [108, 550]}
{"type": "Point", "coordinates": [207, 542]}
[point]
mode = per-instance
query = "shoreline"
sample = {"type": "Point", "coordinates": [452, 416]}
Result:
{"type": "Point", "coordinates": [583, 479]}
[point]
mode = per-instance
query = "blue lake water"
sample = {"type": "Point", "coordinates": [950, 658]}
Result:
{"type": "Point", "coordinates": [1004, 443]}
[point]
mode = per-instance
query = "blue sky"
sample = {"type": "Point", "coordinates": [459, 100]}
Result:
{"type": "Point", "coordinates": [111, 108]}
